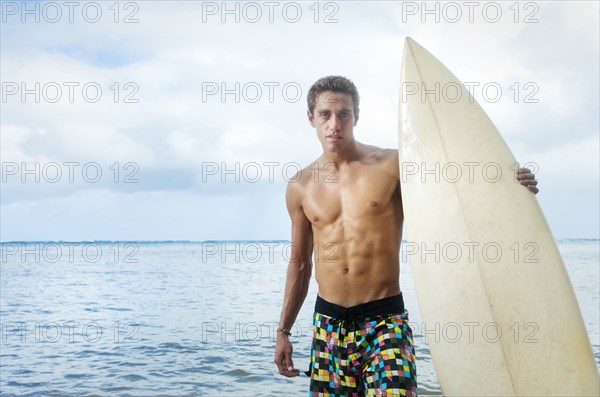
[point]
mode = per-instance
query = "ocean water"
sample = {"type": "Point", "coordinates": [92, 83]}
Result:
{"type": "Point", "coordinates": [179, 318]}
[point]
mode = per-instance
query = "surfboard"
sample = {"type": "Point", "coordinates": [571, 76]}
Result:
{"type": "Point", "coordinates": [499, 312]}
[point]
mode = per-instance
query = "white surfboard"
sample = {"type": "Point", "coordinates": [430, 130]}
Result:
{"type": "Point", "coordinates": [500, 314]}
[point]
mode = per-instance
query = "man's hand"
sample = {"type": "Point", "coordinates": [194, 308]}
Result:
{"type": "Point", "coordinates": [527, 179]}
{"type": "Point", "coordinates": [283, 356]}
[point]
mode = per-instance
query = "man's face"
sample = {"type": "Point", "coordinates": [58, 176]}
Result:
{"type": "Point", "coordinates": [334, 120]}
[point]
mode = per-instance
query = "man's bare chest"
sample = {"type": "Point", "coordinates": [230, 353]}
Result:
{"type": "Point", "coordinates": [355, 197]}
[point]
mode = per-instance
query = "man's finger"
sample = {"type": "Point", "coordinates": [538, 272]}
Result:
{"type": "Point", "coordinates": [289, 364]}
{"type": "Point", "coordinates": [522, 177]}
{"type": "Point", "coordinates": [287, 372]}
{"type": "Point", "coordinates": [529, 182]}
{"type": "Point", "coordinates": [280, 363]}
{"type": "Point", "coordinates": [280, 367]}
{"type": "Point", "coordinates": [284, 368]}
{"type": "Point", "coordinates": [531, 186]}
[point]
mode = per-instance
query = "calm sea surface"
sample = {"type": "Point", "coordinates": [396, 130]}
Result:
{"type": "Point", "coordinates": [179, 318]}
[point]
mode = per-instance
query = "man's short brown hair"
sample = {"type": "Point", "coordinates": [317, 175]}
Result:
{"type": "Point", "coordinates": [334, 84]}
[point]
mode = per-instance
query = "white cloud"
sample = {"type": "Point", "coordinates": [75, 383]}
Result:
{"type": "Point", "coordinates": [174, 129]}
{"type": "Point", "coordinates": [573, 165]}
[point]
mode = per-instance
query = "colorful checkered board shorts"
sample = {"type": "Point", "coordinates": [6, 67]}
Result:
{"type": "Point", "coordinates": [362, 350]}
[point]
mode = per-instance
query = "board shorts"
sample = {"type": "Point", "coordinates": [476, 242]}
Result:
{"type": "Point", "coordinates": [362, 350]}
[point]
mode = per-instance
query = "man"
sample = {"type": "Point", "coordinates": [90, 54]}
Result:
{"type": "Point", "coordinates": [347, 206]}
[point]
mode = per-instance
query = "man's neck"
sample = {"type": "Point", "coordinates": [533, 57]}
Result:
{"type": "Point", "coordinates": [352, 153]}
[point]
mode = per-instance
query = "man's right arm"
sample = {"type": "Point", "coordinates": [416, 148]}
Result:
{"type": "Point", "coordinates": [297, 279]}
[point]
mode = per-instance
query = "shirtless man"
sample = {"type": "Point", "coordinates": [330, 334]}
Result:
{"type": "Point", "coordinates": [347, 207]}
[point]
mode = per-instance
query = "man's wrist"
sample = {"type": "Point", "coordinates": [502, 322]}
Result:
{"type": "Point", "coordinates": [284, 331]}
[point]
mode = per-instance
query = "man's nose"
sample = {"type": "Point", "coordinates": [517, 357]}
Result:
{"type": "Point", "coordinates": [335, 123]}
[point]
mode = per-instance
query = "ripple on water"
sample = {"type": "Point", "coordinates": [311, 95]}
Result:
{"type": "Point", "coordinates": [77, 376]}
{"type": "Point", "coordinates": [25, 384]}
{"type": "Point", "coordinates": [254, 379]}
{"type": "Point", "coordinates": [162, 373]}
{"type": "Point", "coordinates": [131, 364]}
{"type": "Point", "coordinates": [171, 345]}
{"type": "Point", "coordinates": [116, 389]}
{"type": "Point", "coordinates": [51, 356]}
{"type": "Point", "coordinates": [22, 372]}
{"type": "Point", "coordinates": [198, 369]}
{"type": "Point", "coordinates": [90, 353]}
{"type": "Point", "coordinates": [132, 377]}
{"type": "Point", "coordinates": [237, 373]}
{"type": "Point", "coordinates": [214, 359]}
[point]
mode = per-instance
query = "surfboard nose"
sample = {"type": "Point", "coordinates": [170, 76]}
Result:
{"type": "Point", "coordinates": [411, 43]}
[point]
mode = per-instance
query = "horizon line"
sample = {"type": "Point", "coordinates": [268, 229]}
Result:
{"type": "Point", "coordinates": [220, 241]}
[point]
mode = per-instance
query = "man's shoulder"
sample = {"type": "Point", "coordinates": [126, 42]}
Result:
{"type": "Point", "coordinates": [303, 176]}
{"type": "Point", "coordinates": [380, 154]}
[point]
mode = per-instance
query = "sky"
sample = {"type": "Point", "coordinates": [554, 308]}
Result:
{"type": "Point", "coordinates": [184, 120]}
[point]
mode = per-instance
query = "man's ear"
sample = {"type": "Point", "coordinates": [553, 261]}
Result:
{"type": "Point", "coordinates": [311, 117]}
{"type": "Point", "coordinates": [356, 117]}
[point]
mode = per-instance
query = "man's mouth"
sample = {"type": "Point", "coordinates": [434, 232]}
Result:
{"type": "Point", "coordinates": [333, 137]}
